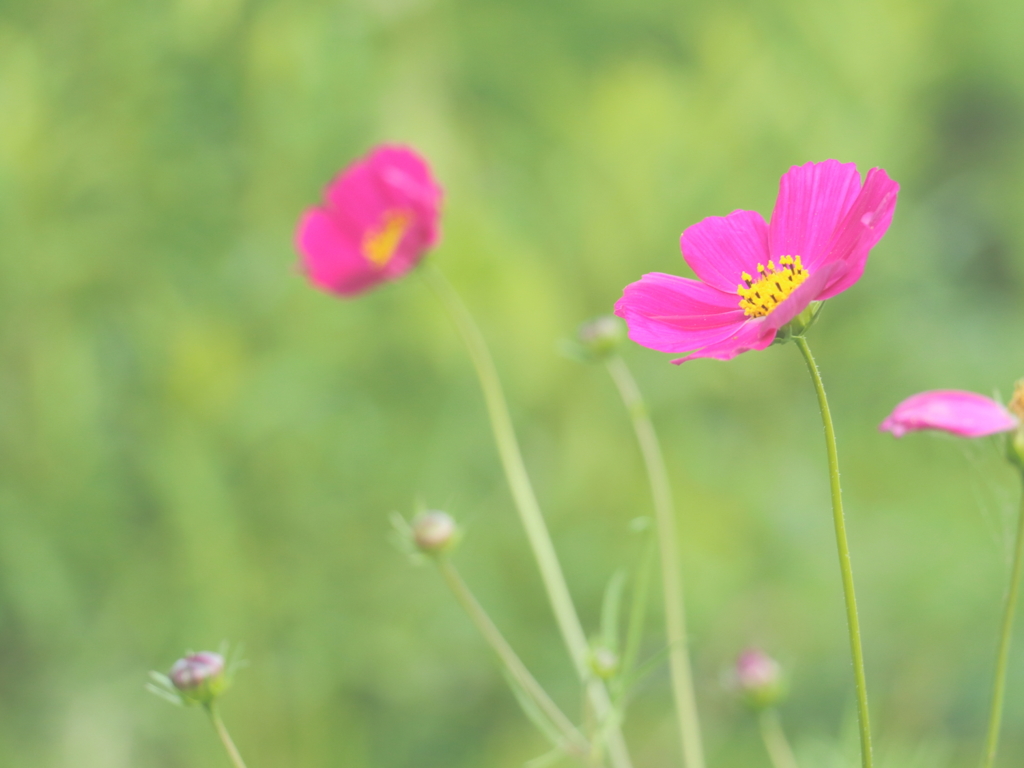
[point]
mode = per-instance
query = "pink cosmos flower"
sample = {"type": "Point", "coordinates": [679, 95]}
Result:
{"type": "Point", "coordinates": [379, 217]}
{"type": "Point", "coordinates": [756, 277]}
{"type": "Point", "coordinates": [965, 414]}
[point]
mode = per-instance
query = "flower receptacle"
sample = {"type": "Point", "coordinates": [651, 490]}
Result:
{"type": "Point", "coordinates": [800, 324]}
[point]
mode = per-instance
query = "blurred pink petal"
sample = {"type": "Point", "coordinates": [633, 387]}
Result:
{"type": "Point", "coordinates": [759, 277]}
{"type": "Point", "coordinates": [965, 414]}
{"type": "Point", "coordinates": [380, 216]}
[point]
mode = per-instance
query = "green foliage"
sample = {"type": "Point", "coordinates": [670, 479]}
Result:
{"type": "Point", "coordinates": [196, 445]}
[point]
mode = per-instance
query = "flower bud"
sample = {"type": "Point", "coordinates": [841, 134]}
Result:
{"type": "Point", "coordinates": [602, 335]}
{"type": "Point", "coordinates": [199, 678]}
{"type": "Point", "coordinates": [759, 679]}
{"type": "Point", "coordinates": [604, 662]}
{"type": "Point", "coordinates": [434, 532]}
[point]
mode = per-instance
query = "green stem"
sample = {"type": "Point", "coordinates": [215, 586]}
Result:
{"type": "Point", "coordinates": [672, 588]}
{"type": "Point", "coordinates": [856, 649]}
{"type": "Point", "coordinates": [637, 613]}
{"type": "Point", "coordinates": [574, 741]}
{"type": "Point", "coordinates": [529, 510]}
{"type": "Point", "coordinates": [775, 741]}
{"type": "Point", "coordinates": [225, 737]}
{"type": "Point", "coordinates": [1003, 656]}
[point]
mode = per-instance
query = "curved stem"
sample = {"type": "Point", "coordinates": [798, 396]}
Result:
{"type": "Point", "coordinates": [574, 741]}
{"type": "Point", "coordinates": [1003, 656]}
{"type": "Point", "coordinates": [856, 649]}
{"type": "Point", "coordinates": [529, 510]}
{"type": "Point", "coordinates": [775, 741]}
{"type": "Point", "coordinates": [672, 588]}
{"type": "Point", "coordinates": [225, 737]}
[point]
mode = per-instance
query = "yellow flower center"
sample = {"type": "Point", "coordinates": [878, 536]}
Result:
{"type": "Point", "coordinates": [380, 243]}
{"type": "Point", "coordinates": [773, 285]}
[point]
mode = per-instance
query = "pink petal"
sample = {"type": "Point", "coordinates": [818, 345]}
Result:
{"type": "Point", "coordinates": [407, 176]}
{"type": "Point", "coordinates": [745, 337]}
{"type": "Point", "coordinates": [960, 413]}
{"type": "Point", "coordinates": [675, 314]}
{"type": "Point", "coordinates": [813, 199]}
{"type": "Point", "coordinates": [864, 225]}
{"type": "Point", "coordinates": [720, 248]}
{"type": "Point", "coordinates": [331, 257]}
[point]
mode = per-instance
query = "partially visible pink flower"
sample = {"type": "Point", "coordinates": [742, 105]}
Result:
{"type": "Point", "coordinates": [756, 277]}
{"type": "Point", "coordinates": [965, 414]}
{"type": "Point", "coordinates": [379, 217]}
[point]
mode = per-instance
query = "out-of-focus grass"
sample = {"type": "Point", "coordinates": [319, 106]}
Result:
{"type": "Point", "coordinates": [194, 445]}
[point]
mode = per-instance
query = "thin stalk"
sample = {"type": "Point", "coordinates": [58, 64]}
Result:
{"type": "Point", "coordinates": [775, 741]}
{"type": "Point", "coordinates": [845, 567]}
{"type": "Point", "coordinates": [1003, 656]}
{"type": "Point", "coordinates": [529, 510]}
{"type": "Point", "coordinates": [637, 611]}
{"type": "Point", "coordinates": [575, 742]}
{"type": "Point", "coordinates": [671, 579]}
{"type": "Point", "coordinates": [225, 737]}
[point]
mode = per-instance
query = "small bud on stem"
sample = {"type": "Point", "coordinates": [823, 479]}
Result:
{"type": "Point", "coordinates": [604, 662]}
{"type": "Point", "coordinates": [434, 532]}
{"type": "Point", "coordinates": [602, 336]}
{"type": "Point", "coordinates": [200, 677]}
{"type": "Point", "coordinates": [759, 679]}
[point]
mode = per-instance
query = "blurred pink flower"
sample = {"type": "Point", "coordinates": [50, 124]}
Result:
{"type": "Point", "coordinates": [756, 277]}
{"type": "Point", "coordinates": [759, 678]}
{"type": "Point", "coordinates": [960, 413]}
{"type": "Point", "coordinates": [756, 669]}
{"type": "Point", "coordinates": [379, 217]}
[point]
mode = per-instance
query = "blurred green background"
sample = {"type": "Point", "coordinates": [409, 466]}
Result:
{"type": "Point", "coordinates": [196, 446]}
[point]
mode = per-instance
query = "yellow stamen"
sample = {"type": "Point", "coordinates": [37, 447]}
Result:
{"type": "Point", "coordinates": [380, 243]}
{"type": "Point", "coordinates": [772, 287]}
{"type": "Point", "coordinates": [1016, 405]}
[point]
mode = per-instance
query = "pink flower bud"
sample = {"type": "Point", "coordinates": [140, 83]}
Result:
{"type": "Point", "coordinates": [759, 678]}
{"type": "Point", "coordinates": [200, 677]}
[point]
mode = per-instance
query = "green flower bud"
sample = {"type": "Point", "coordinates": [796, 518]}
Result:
{"type": "Point", "coordinates": [434, 532]}
{"type": "Point", "coordinates": [604, 662]}
{"type": "Point", "coordinates": [601, 336]}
